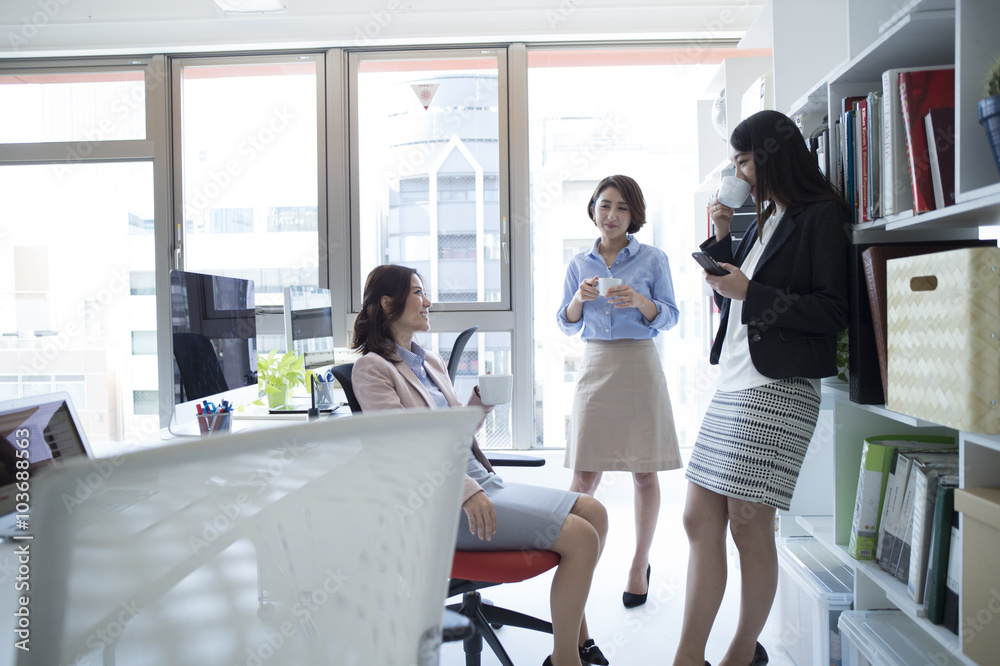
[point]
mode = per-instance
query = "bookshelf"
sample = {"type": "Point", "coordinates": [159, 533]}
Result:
{"type": "Point", "coordinates": [860, 39]}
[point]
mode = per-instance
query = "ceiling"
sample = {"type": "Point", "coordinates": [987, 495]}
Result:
{"type": "Point", "coordinates": [42, 28]}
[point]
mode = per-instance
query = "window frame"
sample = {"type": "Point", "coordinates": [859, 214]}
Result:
{"type": "Point", "coordinates": [355, 58]}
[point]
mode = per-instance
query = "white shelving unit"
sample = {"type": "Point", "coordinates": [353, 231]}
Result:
{"type": "Point", "coordinates": [853, 43]}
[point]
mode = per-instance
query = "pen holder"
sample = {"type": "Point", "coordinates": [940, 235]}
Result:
{"type": "Point", "coordinates": [324, 394]}
{"type": "Point", "coordinates": [213, 424]}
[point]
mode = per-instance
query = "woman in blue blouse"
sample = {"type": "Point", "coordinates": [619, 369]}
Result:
{"type": "Point", "coordinates": [621, 418]}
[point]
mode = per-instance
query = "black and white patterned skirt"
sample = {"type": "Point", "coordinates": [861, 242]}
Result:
{"type": "Point", "coordinates": [752, 442]}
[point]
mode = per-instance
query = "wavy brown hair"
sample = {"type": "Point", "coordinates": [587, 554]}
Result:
{"type": "Point", "coordinates": [784, 168]}
{"type": "Point", "coordinates": [632, 194]}
{"type": "Point", "coordinates": [372, 327]}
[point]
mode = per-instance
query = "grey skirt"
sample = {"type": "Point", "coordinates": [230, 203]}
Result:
{"type": "Point", "coordinates": [528, 517]}
{"type": "Point", "coordinates": [622, 419]}
{"type": "Point", "coordinates": [752, 442]}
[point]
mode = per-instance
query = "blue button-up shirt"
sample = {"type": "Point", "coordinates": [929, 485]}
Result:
{"type": "Point", "coordinates": [415, 360]}
{"type": "Point", "coordinates": [644, 268]}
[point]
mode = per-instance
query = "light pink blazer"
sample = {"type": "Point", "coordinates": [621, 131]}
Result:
{"type": "Point", "coordinates": [381, 384]}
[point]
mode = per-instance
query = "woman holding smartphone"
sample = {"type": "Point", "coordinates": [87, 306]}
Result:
{"type": "Point", "coordinates": [782, 303]}
{"type": "Point", "coordinates": [621, 418]}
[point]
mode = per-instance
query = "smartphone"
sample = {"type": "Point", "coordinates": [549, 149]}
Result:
{"type": "Point", "coordinates": [710, 265]}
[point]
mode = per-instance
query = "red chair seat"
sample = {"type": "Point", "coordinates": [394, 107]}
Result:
{"type": "Point", "coordinates": [502, 566]}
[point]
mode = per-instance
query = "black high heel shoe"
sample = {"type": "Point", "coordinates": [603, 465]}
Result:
{"type": "Point", "coordinates": [591, 654]}
{"type": "Point", "coordinates": [759, 656]}
{"type": "Point", "coordinates": [548, 661]}
{"type": "Point", "coordinates": [630, 600]}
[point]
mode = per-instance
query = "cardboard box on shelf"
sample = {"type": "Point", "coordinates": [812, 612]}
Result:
{"type": "Point", "coordinates": [980, 597]}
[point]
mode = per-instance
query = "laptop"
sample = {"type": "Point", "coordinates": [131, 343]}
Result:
{"type": "Point", "coordinates": [36, 433]}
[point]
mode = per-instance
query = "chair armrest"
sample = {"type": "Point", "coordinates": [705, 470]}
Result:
{"type": "Point", "coordinates": [501, 459]}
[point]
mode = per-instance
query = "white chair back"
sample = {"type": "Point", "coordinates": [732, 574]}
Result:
{"type": "Point", "coordinates": [321, 543]}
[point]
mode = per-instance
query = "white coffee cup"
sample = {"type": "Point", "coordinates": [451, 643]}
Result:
{"type": "Point", "coordinates": [603, 284]}
{"type": "Point", "coordinates": [733, 191]}
{"type": "Point", "coordinates": [495, 389]}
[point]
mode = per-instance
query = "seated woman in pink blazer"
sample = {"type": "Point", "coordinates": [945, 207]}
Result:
{"type": "Point", "coordinates": [396, 373]}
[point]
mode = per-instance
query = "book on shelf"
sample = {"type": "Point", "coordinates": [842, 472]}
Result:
{"type": "Point", "coordinates": [864, 379]}
{"type": "Point", "coordinates": [876, 455]}
{"type": "Point", "coordinates": [834, 158]}
{"type": "Point", "coordinates": [940, 544]}
{"type": "Point", "coordinates": [899, 557]}
{"type": "Point", "coordinates": [893, 522]}
{"type": "Point", "coordinates": [874, 160]}
{"type": "Point", "coordinates": [953, 579]}
{"type": "Point", "coordinates": [926, 478]}
{"type": "Point", "coordinates": [939, 126]}
{"type": "Point", "coordinates": [885, 449]}
{"type": "Point", "coordinates": [847, 156]}
{"type": "Point", "coordinates": [919, 92]}
{"type": "Point", "coordinates": [861, 165]}
{"type": "Point", "coordinates": [897, 190]}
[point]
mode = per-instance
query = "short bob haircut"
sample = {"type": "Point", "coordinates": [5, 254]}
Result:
{"type": "Point", "coordinates": [372, 328]}
{"type": "Point", "coordinates": [784, 169]}
{"type": "Point", "coordinates": [633, 199]}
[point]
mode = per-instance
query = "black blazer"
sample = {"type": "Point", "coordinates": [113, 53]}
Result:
{"type": "Point", "coordinates": [796, 302]}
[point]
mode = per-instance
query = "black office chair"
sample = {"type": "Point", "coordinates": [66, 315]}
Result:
{"type": "Point", "coordinates": [456, 351]}
{"type": "Point", "coordinates": [342, 373]}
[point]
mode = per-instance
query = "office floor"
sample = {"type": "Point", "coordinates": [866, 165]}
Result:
{"type": "Point", "coordinates": [645, 635]}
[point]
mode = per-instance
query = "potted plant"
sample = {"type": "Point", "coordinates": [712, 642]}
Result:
{"type": "Point", "coordinates": [278, 375]}
{"type": "Point", "coordinates": [989, 110]}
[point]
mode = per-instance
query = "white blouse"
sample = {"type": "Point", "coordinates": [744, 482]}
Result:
{"type": "Point", "coordinates": [736, 369]}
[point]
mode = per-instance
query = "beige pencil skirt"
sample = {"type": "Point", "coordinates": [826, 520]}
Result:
{"type": "Point", "coordinates": [622, 419]}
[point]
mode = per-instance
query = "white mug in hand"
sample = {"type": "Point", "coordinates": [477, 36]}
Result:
{"type": "Point", "coordinates": [495, 389]}
{"type": "Point", "coordinates": [733, 191]}
{"type": "Point", "coordinates": [603, 284]}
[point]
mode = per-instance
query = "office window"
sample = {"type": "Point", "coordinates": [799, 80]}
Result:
{"type": "Point", "coordinates": [143, 343]}
{"type": "Point", "coordinates": [578, 134]}
{"type": "Point", "coordinates": [83, 107]}
{"type": "Point", "coordinates": [293, 218]}
{"type": "Point", "coordinates": [145, 402]}
{"type": "Point", "coordinates": [250, 169]}
{"type": "Point", "coordinates": [429, 155]}
{"type": "Point", "coordinates": [485, 352]}
{"type": "Point", "coordinates": [141, 283]}
{"type": "Point", "coordinates": [75, 282]}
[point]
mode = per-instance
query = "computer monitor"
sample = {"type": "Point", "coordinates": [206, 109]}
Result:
{"type": "Point", "coordinates": [309, 324]}
{"type": "Point", "coordinates": [214, 333]}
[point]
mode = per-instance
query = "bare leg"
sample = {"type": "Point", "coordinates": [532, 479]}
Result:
{"type": "Point", "coordinates": [647, 510]}
{"type": "Point", "coordinates": [578, 545]}
{"type": "Point", "coordinates": [705, 518]}
{"type": "Point", "coordinates": [586, 482]}
{"type": "Point", "coordinates": [752, 526]}
{"type": "Point", "coordinates": [594, 513]}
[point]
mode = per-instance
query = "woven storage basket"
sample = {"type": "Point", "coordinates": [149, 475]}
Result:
{"type": "Point", "coordinates": [943, 323]}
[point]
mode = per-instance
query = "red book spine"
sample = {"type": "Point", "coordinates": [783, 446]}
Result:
{"type": "Point", "coordinates": [919, 92]}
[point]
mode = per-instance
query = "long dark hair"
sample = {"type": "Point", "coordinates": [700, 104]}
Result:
{"type": "Point", "coordinates": [632, 195]}
{"type": "Point", "coordinates": [372, 328]}
{"type": "Point", "coordinates": [785, 170]}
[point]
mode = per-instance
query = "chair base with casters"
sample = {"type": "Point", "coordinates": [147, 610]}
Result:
{"type": "Point", "coordinates": [472, 571]}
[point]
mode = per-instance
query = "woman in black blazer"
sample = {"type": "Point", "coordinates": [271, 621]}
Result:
{"type": "Point", "coordinates": [783, 303]}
